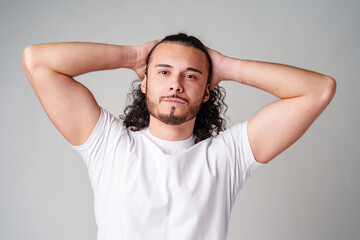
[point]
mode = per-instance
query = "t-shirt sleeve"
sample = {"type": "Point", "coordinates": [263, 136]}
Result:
{"type": "Point", "coordinates": [244, 163]}
{"type": "Point", "coordinates": [95, 150]}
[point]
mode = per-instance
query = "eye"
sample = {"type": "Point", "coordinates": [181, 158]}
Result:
{"type": "Point", "coordinates": [190, 76]}
{"type": "Point", "coordinates": [163, 72]}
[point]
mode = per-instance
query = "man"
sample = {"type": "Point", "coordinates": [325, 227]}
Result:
{"type": "Point", "coordinates": [159, 173]}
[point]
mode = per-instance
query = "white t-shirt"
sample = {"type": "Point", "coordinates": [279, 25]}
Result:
{"type": "Point", "coordinates": [148, 188]}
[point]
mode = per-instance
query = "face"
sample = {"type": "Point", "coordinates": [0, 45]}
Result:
{"type": "Point", "coordinates": [176, 83]}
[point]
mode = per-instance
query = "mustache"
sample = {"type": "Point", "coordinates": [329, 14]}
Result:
{"type": "Point", "coordinates": [173, 96]}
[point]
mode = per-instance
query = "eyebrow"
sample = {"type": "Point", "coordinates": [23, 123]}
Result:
{"type": "Point", "coordinates": [188, 69]}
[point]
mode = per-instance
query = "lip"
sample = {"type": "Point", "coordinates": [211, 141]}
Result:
{"type": "Point", "coordinates": [174, 101]}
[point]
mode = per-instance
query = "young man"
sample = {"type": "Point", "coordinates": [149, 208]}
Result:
{"type": "Point", "coordinates": [159, 173]}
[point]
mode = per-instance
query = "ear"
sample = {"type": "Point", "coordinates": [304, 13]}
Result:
{"type": "Point", "coordinates": [143, 84]}
{"type": "Point", "coordinates": [207, 93]}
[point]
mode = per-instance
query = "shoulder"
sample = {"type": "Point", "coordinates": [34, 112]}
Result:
{"type": "Point", "coordinates": [228, 140]}
{"type": "Point", "coordinates": [107, 120]}
{"type": "Point", "coordinates": [233, 133]}
{"type": "Point", "coordinates": [107, 129]}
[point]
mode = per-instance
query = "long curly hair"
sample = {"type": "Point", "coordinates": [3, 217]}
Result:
{"type": "Point", "coordinates": [209, 121]}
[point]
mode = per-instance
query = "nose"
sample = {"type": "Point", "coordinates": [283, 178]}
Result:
{"type": "Point", "coordinates": [176, 85]}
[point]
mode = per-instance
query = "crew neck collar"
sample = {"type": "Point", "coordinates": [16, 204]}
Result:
{"type": "Point", "coordinates": [170, 146]}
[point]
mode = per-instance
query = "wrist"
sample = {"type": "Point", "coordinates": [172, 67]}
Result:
{"type": "Point", "coordinates": [128, 57]}
{"type": "Point", "coordinates": [234, 69]}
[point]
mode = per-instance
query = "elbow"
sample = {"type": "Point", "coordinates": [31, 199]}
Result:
{"type": "Point", "coordinates": [31, 62]}
{"type": "Point", "coordinates": [329, 89]}
{"type": "Point", "coordinates": [28, 58]}
{"type": "Point", "coordinates": [323, 96]}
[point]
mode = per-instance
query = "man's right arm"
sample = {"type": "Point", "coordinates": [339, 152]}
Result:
{"type": "Point", "coordinates": [70, 106]}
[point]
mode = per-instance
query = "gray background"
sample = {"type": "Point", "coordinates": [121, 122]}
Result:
{"type": "Point", "coordinates": [310, 191]}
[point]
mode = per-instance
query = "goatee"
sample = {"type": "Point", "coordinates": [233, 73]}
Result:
{"type": "Point", "coordinates": [171, 118]}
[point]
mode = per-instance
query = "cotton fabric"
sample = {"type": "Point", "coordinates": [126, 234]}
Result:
{"type": "Point", "coordinates": [148, 188]}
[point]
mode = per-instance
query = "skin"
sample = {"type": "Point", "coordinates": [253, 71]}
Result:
{"type": "Point", "coordinates": [175, 89]}
{"type": "Point", "coordinates": [303, 96]}
{"type": "Point", "coordinates": [72, 108]}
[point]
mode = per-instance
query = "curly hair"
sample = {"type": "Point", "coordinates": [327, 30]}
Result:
{"type": "Point", "coordinates": [209, 120]}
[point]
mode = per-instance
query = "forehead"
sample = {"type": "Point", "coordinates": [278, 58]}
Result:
{"type": "Point", "coordinates": [174, 53]}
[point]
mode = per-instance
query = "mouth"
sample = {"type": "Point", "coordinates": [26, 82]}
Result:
{"type": "Point", "coordinates": [173, 100]}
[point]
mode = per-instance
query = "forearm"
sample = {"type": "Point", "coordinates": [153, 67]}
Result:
{"type": "Point", "coordinates": [304, 95]}
{"type": "Point", "coordinates": [280, 80]}
{"type": "Point", "coordinates": [76, 58]}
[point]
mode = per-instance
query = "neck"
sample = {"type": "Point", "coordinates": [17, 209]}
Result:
{"type": "Point", "coordinates": [171, 132]}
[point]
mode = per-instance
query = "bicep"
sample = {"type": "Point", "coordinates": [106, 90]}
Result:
{"type": "Point", "coordinates": [278, 125]}
{"type": "Point", "coordinates": [70, 105]}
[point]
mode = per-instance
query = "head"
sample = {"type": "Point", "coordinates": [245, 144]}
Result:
{"type": "Point", "coordinates": [184, 40]}
{"type": "Point", "coordinates": [175, 89]}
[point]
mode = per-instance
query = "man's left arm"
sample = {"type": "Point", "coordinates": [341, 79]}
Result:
{"type": "Point", "coordinates": [303, 96]}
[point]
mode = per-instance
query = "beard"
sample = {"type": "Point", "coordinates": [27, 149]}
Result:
{"type": "Point", "coordinates": [171, 118]}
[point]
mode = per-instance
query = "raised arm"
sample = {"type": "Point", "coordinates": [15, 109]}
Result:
{"type": "Point", "coordinates": [303, 96]}
{"type": "Point", "coordinates": [70, 106]}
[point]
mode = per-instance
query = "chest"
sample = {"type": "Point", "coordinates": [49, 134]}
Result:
{"type": "Point", "coordinates": [158, 189]}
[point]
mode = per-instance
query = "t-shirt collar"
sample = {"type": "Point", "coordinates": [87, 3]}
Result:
{"type": "Point", "coordinates": [170, 145]}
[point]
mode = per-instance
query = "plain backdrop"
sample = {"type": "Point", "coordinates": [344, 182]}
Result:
{"type": "Point", "coordinates": [310, 191]}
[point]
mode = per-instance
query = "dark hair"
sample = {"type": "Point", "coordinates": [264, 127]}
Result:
{"type": "Point", "coordinates": [209, 120]}
{"type": "Point", "coordinates": [183, 39]}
